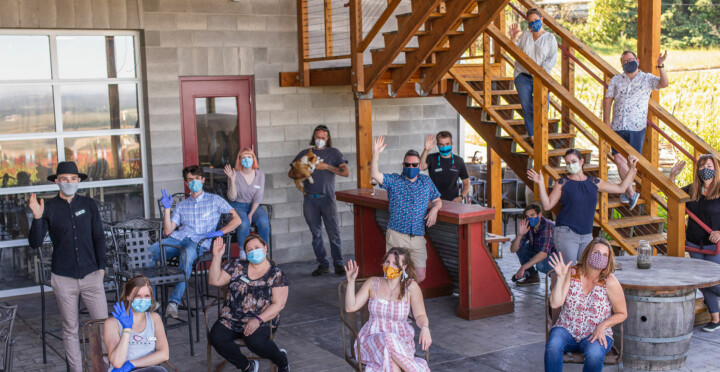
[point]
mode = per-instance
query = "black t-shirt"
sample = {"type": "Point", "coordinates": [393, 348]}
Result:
{"type": "Point", "coordinates": [446, 173]}
{"type": "Point", "coordinates": [708, 211]}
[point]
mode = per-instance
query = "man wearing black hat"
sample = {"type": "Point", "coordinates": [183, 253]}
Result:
{"type": "Point", "coordinates": [78, 259]}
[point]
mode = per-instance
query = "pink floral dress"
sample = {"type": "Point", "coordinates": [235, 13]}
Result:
{"type": "Point", "coordinates": [388, 334]}
{"type": "Point", "coordinates": [581, 313]}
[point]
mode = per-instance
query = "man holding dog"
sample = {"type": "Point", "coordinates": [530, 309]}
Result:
{"type": "Point", "coordinates": [319, 201]}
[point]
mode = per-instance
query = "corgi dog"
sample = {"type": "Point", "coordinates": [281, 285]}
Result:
{"type": "Point", "coordinates": [305, 166]}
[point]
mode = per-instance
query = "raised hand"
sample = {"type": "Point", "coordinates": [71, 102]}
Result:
{"type": "Point", "coordinates": [218, 247]}
{"type": "Point", "coordinates": [379, 145]}
{"type": "Point", "coordinates": [524, 227]}
{"type": "Point", "coordinates": [561, 268]}
{"type": "Point", "coordinates": [661, 58]}
{"type": "Point", "coordinates": [351, 271]}
{"type": "Point", "coordinates": [535, 176]}
{"type": "Point", "coordinates": [166, 199]}
{"type": "Point", "coordinates": [429, 142]}
{"type": "Point", "coordinates": [229, 171]}
{"type": "Point", "coordinates": [36, 208]}
{"type": "Point", "coordinates": [125, 318]}
{"type": "Point", "coordinates": [676, 169]}
{"type": "Point", "coordinates": [514, 31]}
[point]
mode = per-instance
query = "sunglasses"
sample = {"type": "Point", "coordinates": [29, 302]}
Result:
{"type": "Point", "coordinates": [411, 165]}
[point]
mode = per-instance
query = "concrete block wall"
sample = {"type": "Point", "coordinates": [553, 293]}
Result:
{"type": "Point", "coordinates": [250, 37]}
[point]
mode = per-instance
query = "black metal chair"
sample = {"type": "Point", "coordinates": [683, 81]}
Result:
{"type": "Point", "coordinates": [134, 239]}
{"type": "Point", "coordinates": [7, 321]}
{"type": "Point", "coordinates": [42, 268]}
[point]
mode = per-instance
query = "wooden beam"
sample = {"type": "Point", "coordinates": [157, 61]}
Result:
{"type": "Point", "coordinates": [540, 123]}
{"type": "Point", "coordinates": [363, 138]}
{"type": "Point", "coordinates": [568, 81]}
{"type": "Point", "coordinates": [499, 22]}
{"type": "Point", "coordinates": [328, 29]}
{"type": "Point", "coordinates": [303, 43]}
{"type": "Point", "coordinates": [392, 4]}
{"type": "Point", "coordinates": [357, 74]}
{"type": "Point", "coordinates": [603, 197]}
{"type": "Point", "coordinates": [675, 228]}
{"type": "Point", "coordinates": [493, 194]}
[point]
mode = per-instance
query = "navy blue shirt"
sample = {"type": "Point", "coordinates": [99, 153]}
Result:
{"type": "Point", "coordinates": [577, 204]}
{"type": "Point", "coordinates": [324, 179]}
{"type": "Point", "coordinates": [76, 232]}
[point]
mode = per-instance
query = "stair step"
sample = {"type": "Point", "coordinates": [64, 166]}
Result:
{"type": "Point", "coordinates": [558, 152]}
{"type": "Point", "coordinates": [423, 33]}
{"type": "Point", "coordinates": [424, 65]}
{"type": "Point", "coordinates": [516, 106]}
{"type": "Point", "coordinates": [522, 122]}
{"type": "Point", "coordinates": [550, 136]}
{"type": "Point", "coordinates": [411, 49]}
{"type": "Point", "coordinates": [653, 239]}
{"type": "Point", "coordinates": [614, 201]}
{"type": "Point", "coordinates": [438, 15]}
{"type": "Point", "coordinates": [630, 221]}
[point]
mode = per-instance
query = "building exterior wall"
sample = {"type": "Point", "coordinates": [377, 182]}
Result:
{"type": "Point", "coordinates": [250, 37]}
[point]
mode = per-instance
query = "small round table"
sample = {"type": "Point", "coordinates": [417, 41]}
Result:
{"type": "Point", "coordinates": [661, 308]}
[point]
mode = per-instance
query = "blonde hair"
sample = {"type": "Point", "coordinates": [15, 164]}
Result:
{"type": "Point", "coordinates": [244, 151]}
{"type": "Point", "coordinates": [713, 192]}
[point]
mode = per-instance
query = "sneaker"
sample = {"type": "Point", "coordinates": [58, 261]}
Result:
{"type": "Point", "coordinates": [172, 310]}
{"type": "Point", "coordinates": [254, 366]}
{"type": "Point", "coordinates": [321, 270]}
{"type": "Point", "coordinates": [529, 280]}
{"type": "Point", "coordinates": [624, 199]}
{"type": "Point", "coordinates": [340, 269]}
{"type": "Point", "coordinates": [286, 368]}
{"type": "Point", "coordinates": [711, 327]}
{"type": "Point", "coordinates": [634, 200]}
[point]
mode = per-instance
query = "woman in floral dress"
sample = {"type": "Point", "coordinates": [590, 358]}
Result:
{"type": "Point", "coordinates": [257, 292]}
{"type": "Point", "coordinates": [592, 301]}
{"type": "Point", "coordinates": [386, 341]}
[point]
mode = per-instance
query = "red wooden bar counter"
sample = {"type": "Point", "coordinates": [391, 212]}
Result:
{"type": "Point", "coordinates": [456, 252]}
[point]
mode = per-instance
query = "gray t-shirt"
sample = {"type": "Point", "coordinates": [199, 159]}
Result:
{"type": "Point", "coordinates": [324, 179]}
{"type": "Point", "coordinates": [244, 193]}
{"type": "Point", "coordinates": [143, 343]}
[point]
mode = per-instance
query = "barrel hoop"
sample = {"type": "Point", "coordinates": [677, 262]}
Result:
{"type": "Point", "coordinates": [688, 297]}
{"type": "Point", "coordinates": [658, 340]}
{"type": "Point", "coordinates": [655, 357]}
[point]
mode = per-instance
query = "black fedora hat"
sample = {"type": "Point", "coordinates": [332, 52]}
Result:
{"type": "Point", "coordinates": [67, 167]}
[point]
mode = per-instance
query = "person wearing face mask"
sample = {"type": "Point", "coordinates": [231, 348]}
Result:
{"type": "Point", "coordinates": [193, 219]}
{"type": "Point", "coordinates": [135, 336]}
{"type": "Point", "coordinates": [628, 95]}
{"type": "Point", "coordinates": [704, 203]}
{"type": "Point", "coordinates": [533, 245]}
{"type": "Point", "coordinates": [409, 195]}
{"type": "Point", "coordinates": [541, 47]}
{"type": "Point", "coordinates": [78, 257]}
{"type": "Point", "coordinates": [257, 291]}
{"type": "Point", "coordinates": [578, 195]}
{"type": "Point", "coordinates": [387, 341]}
{"type": "Point", "coordinates": [246, 185]}
{"type": "Point", "coordinates": [319, 201]}
{"type": "Point", "coordinates": [445, 168]}
{"type": "Point", "coordinates": [586, 320]}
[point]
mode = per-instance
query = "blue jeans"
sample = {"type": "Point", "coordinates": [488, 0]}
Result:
{"type": "Point", "coordinates": [711, 294]}
{"type": "Point", "coordinates": [259, 219]}
{"type": "Point", "coordinates": [561, 341]}
{"type": "Point", "coordinates": [525, 254]}
{"type": "Point", "coordinates": [320, 210]}
{"type": "Point", "coordinates": [187, 264]}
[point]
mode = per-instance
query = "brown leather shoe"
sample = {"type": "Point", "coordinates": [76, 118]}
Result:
{"type": "Point", "coordinates": [529, 280]}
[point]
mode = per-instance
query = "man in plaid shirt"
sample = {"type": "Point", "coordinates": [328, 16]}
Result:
{"type": "Point", "coordinates": [533, 245]}
{"type": "Point", "coordinates": [194, 219]}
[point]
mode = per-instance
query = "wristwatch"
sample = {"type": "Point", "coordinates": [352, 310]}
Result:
{"type": "Point", "coordinates": [661, 66]}
{"type": "Point", "coordinates": [259, 319]}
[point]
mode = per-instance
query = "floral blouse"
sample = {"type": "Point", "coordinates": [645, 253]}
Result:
{"type": "Point", "coordinates": [248, 298]}
{"type": "Point", "coordinates": [581, 313]}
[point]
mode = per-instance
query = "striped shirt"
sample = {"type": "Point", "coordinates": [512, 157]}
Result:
{"type": "Point", "coordinates": [543, 51]}
{"type": "Point", "coordinates": [197, 217]}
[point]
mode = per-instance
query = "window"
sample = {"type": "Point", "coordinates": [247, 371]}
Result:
{"type": "Point", "coordinates": [68, 95]}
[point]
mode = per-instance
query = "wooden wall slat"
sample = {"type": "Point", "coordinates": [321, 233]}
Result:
{"type": "Point", "coordinates": [29, 13]}
{"type": "Point", "coordinates": [101, 13]}
{"type": "Point", "coordinates": [46, 14]}
{"type": "Point", "coordinates": [65, 13]}
{"type": "Point", "coordinates": [133, 18]}
{"type": "Point", "coordinates": [83, 14]}
{"type": "Point", "coordinates": [9, 13]}
{"type": "Point", "coordinates": [118, 14]}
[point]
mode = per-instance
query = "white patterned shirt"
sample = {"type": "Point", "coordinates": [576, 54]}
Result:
{"type": "Point", "coordinates": [197, 217]}
{"type": "Point", "coordinates": [543, 51]}
{"type": "Point", "coordinates": [631, 97]}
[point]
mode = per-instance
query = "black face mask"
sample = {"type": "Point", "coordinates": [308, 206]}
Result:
{"type": "Point", "coordinates": [630, 67]}
{"type": "Point", "coordinates": [706, 174]}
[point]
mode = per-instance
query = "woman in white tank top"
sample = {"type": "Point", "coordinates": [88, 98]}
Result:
{"type": "Point", "coordinates": [135, 336]}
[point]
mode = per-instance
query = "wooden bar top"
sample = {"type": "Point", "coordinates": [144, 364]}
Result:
{"type": "Point", "coordinates": [451, 212]}
{"type": "Point", "coordinates": [667, 273]}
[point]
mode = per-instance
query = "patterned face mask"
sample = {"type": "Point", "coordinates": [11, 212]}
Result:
{"type": "Point", "coordinates": [706, 174]}
{"type": "Point", "coordinates": [597, 261]}
{"type": "Point", "coordinates": [391, 272]}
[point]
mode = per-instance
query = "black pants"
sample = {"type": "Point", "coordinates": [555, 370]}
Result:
{"type": "Point", "coordinates": [222, 339]}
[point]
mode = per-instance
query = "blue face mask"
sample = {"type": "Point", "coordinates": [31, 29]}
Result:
{"type": "Point", "coordinates": [533, 221]}
{"type": "Point", "coordinates": [535, 25]}
{"type": "Point", "coordinates": [195, 186]}
{"type": "Point", "coordinates": [630, 67]}
{"type": "Point", "coordinates": [141, 305]}
{"type": "Point", "coordinates": [246, 162]}
{"type": "Point", "coordinates": [256, 256]}
{"type": "Point", "coordinates": [411, 172]}
{"type": "Point", "coordinates": [445, 150]}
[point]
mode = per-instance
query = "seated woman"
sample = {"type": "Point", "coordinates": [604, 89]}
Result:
{"type": "Point", "coordinates": [592, 302]}
{"type": "Point", "coordinates": [257, 292]}
{"type": "Point", "coordinates": [136, 340]}
{"type": "Point", "coordinates": [386, 341]}
{"type": "Point", "coordinates": [704, 192]}
{"type": "Point", "coordinates": [246, 185]}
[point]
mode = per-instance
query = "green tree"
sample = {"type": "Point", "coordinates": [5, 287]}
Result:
{"type": "Point", "coordinates": [611, 20]}
{"type": "Point", "coordinates": [691, 23]}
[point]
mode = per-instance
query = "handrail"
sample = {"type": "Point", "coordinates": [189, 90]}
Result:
{"type": "Point", "coordinates": [378, 25]}
{"type": "Point", "coordinates": [672, 141]}
{"type": "Point", "coordinates": [587, 116]}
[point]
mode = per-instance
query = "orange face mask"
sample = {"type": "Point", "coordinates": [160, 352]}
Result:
{"type": "Point", "coordinates": [391, 272]}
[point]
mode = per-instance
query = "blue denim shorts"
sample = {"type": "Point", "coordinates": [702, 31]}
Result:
{"type": "Point", "coordinates": [634, 138]}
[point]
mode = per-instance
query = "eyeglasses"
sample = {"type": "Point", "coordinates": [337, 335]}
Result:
{"type": "Point", "coordinates": [413, 165]}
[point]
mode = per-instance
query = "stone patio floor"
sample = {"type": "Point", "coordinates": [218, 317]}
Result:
{"type": "Point", "coordinates": [310, 331]}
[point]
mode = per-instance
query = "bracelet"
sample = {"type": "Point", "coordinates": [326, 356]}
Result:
{"type": "Point", "coordinates": [127, 330]}
{"type": "Point", "coordinates": [661, 66]}
{"type": "Point", "coordinates": [260, 319]}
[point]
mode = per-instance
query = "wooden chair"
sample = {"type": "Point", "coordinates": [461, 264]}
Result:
{"type": "Point", "coordinates": [217, 302]}
{"type": "Point", "coordinates": [350, 325]}
{"type": "Point", "coordinates": [94, 354]}
{"type": "Point", "coordinates": [613, 357]}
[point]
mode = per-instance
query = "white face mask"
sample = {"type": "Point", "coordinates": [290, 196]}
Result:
{"type": "Point", "coordinates": [320, 143]}
{"type": "Point", "coordinates": [573, 168]}
{"type": "Point", "coordinates": [68, 188]}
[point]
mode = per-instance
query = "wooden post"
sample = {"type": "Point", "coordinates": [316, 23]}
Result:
{"type": "Point", "coordinates": [493, 195]}
{"type": "Point", "coordinates": [303, 43]}
{"type": "Point", "coordinates": [647, 52]}
{"type": "Point", "coordinates": [568, 82]}
{"type": "Point", "coordinates": [363, 137]}
{"type": "Point", "coordinates": [603, 163]}
{"type": "Point", "coordinates": [675, 228]}
{"type": "Point", "coordinates": [499, 22]}
{"type": "Point", "coordinates": [540, 122]}
{"type": "Point", "coordinates": [487, 82]}
{"type": "Point", "coordinates": [357, 76]}
{"type": "Point", "coordinates": [328, 29]}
